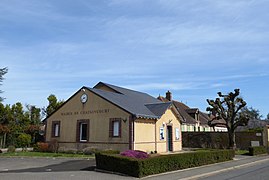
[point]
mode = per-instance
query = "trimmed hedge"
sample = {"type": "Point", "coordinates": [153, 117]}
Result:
{"type": "Point", "coordinates": [159, 164]}
{"type": "Point", "coordinates": [257, 150]}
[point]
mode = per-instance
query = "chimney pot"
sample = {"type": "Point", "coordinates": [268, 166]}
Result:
{"type": "Point", "coordinates": [169, 96]}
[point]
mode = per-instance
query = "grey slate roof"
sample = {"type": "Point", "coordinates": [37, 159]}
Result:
{"type": "Point", "coordinates": [158, 108]}
{"type": "Point", "coordinates": [185, 112]}
{"type": "Point", "coordinates": [137, 103]}
{"type": "Point", "coordinates": [182, 110]}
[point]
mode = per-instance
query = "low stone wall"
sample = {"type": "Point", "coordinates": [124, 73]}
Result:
{"type": "Point", "coordinates": [219, 140]}
{"type": "Point", "coordinates": [4, 150]}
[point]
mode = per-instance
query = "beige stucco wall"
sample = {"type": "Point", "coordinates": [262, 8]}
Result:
{"type": "Point", "coordinates": [147, 133]}
{"type": "Point", "coordinates": [98, 111]}
{"type": "Point", "coordinates": [144, 135]}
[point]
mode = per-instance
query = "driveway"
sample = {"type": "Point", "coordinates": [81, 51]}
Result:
{"type": "Point", "coordinates": [17, 168]}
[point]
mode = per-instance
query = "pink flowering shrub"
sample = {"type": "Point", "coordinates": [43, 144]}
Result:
{"type": "Point", "coordinates": [135, 154]}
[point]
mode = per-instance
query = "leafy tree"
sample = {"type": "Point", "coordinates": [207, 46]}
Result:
{"type": "Point", "coordinates": [33, 113]}
{"type": "Point", "coordinates": [252, 113]}
{"type": "Point", "coordinates": [4, 129]}
{"type": "Point", "coordinates": [3, 71]}
{"type": "Point", "coordinates": [14, 120]}
{"type": "Point", "coordinates": [17, 122]}
{"type": "Point", "coordinates": [24, 140]}
{"type": "Point", "coordinates": [226, 110]}
{"type": "Point", "coordinates": [54, 104]}
{"type": "Point", "coordinates": [267, 116]}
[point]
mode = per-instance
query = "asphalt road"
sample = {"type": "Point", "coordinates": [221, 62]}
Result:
{"type": "Point", "coordinates": [258, 172]}
{"type": "Point", "coordinates": [15, 168]}
{"type": "Point", "coordinates": [51, 168]}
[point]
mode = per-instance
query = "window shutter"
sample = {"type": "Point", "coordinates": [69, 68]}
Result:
{"type": "Point", "coordinates": [59, 131]}
{"type": "Point", "coordinates": [78, 131]}
{"type": "Point", "coordinates": [111, 127]}
{"type": "Point", "coordinates": [119, 127]}
{"type": "Point", "coordinates": [52, 129]}
{"type": "Point", "coordinates": [88, 129]}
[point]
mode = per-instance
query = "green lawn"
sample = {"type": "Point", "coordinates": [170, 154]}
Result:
{"type": "Point", "coordinates": [241, 152]}
{"type": "Point", "coordinates": [44, 154]}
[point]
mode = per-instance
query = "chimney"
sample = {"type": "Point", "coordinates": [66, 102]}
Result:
{"type": "Point", "coordinates": [169, 96]}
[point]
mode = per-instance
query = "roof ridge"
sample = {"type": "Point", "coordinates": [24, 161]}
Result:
{"type": "Point", "coordinates": [158, 103]}
{"type": "Point", "coordinates": [124, 88]}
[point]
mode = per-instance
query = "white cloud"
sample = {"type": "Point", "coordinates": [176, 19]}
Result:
{"type": "Point", "coordinates": [189, 46]}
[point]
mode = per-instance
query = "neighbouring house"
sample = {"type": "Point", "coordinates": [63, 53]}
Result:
{"type": "Point", "coordinates": [112, 117]}
{"type": "Point", "coordinates": [193, 119]}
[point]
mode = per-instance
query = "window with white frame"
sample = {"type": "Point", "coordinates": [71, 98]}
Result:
{"type": "Point", "coordinates": [83, 131]}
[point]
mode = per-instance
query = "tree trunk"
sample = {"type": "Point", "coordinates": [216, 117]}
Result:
{"type": "Point", "coordinates": [232, 144]}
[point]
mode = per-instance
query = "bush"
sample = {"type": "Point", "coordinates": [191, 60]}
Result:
{"type": "Point", "coordinates": [257, 150]}
{"type": "Point", "coordinates": [135, 154]}
{"type": "Point", "coordinates": [110, 151]}
{"type": "Point", "coordinates": [159, 164]}
{"type": "Point", "coordinates": [24, 140]}
{"type": "Point", "coordinates": [71, 151]}
{"type": "Point", "coordinates": [11, 149]}
{"type": "Point", "coordinates": [90, 151]}
{"type": "Point", "coordinates": [41, 147]}
{"type": "Point", "coordinates": [117, 163]}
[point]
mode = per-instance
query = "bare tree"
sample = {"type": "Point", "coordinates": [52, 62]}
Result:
{"type": "Point", "coordinates": [226, 110]}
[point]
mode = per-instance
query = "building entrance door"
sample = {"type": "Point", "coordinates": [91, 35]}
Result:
{"type": "Point", "coordinates": [169, 138]}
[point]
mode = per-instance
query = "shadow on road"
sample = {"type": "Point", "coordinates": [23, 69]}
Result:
{"type": "Point", "coordinates": [73, 165]}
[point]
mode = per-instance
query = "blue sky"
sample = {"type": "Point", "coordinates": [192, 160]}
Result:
{"type": "Point", "coordinates": [192, 48]}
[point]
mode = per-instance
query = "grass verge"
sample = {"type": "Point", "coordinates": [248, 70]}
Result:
{"type": "Point", "coordinates": [241, 152]}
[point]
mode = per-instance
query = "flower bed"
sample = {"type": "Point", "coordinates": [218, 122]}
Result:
{"type": "Point", "coordinates": [135, 154]}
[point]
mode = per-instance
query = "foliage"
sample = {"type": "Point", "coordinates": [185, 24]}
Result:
{"type": "Point", "coordinates": [242, 152]}
{"type": "Point", "coordinates": [226, 110]}
{"type": "Point", "coordinates": [41, 147]}
{"type": "Point", "coordinates": [116, 163]}
{"type": "Point", "coordinates": [44, 154]}
{"type": "Point", "coordinates": [90, 151]}
{"type": "Point", "coordinates": [11, 149]}
{"type": "Point", "coordinates": [252, 113]}
{"type": "Point", "coordinates": [14, 120]}
{"type": "Point", "coordinates": [4, 129]}
{"type": "Point", "coordinates": [135, 154]}
{"type": "Point", "coordinates": [257, 150]}
{"type": "Point", "coordinates": [257, 130]}
{"type": "Point", "coordinates": [54, 104]}
{"type": "Point", "coordinates": [23, 140]}
{"type": "Point", "coordinates": [110, 151]}
{"type": "Point", "coordinates": [3, 71]}
{"type": "Point", "coordinates": [159, 164]}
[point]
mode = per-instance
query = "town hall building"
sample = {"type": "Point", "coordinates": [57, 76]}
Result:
{"type": "Point", "coordinates": [112, 117]}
